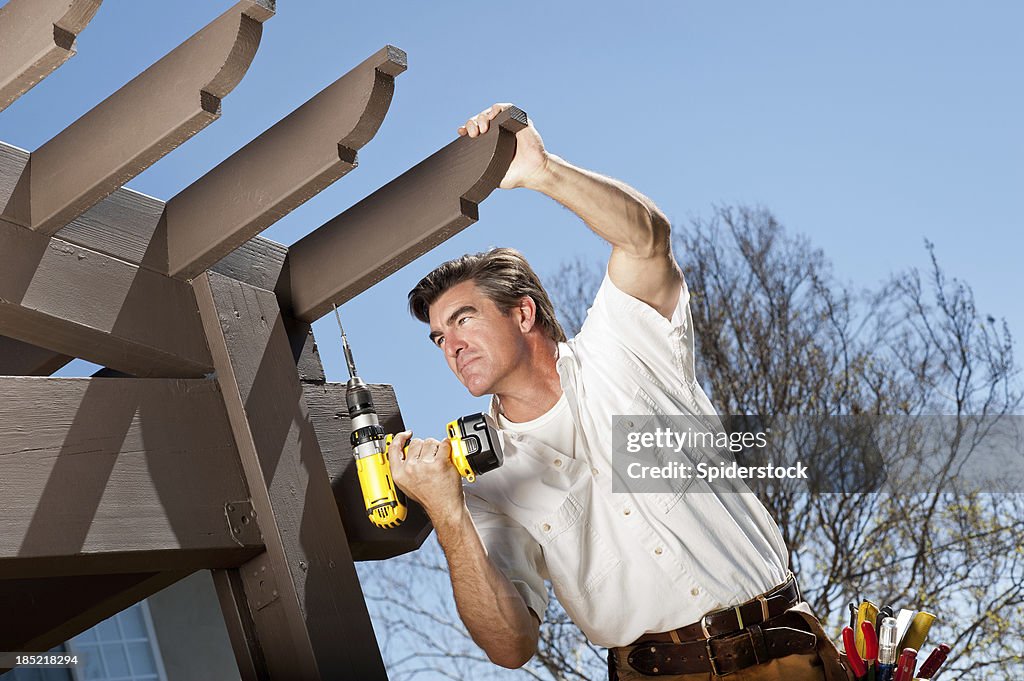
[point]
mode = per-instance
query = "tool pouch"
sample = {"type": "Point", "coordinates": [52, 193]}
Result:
{"type": "Point", "coordinates": [834, 665]}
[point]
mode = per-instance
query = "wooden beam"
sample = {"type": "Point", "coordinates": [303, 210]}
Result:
{"type": "Point", "coordinates": [115, 475]}
{"type": "Point", "coordinates": [269, 177]}
{"type": "Point", "coordinates": [303, 594]}
{"type": "Point", "coordinates": [122, 225]}
{"type": "Point", "coordinates": [400, 221]}
{"type": "Point", "coordinates": [327, 410]}
{"type": "Point", "coordinates": [38, 36]}
{"type": "Point", "coordinates": [23, 359]}
{"type": "Point", "coordinates": [241, 626]}
{"type": "Point", "coordinates": [81, 303]}
{"type": "Point", "coordinates": [129, 131]}
{"type": "Point", "coordinates": [42, 612]}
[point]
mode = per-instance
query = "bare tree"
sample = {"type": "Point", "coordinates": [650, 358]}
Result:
{"type": "Point", "coordinates": [779, 336]}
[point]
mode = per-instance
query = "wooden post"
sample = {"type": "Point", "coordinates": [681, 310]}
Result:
{"type": "Point", "coordinates": [298, 609]}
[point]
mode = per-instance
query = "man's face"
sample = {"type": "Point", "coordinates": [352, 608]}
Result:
{"type": "Point", "coordinates": [481, 345]}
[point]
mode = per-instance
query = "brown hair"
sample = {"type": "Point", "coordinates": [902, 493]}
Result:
{"type": "Point", "coordinates": [501, 274]}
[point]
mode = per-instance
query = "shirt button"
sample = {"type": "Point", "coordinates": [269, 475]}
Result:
{"type": "Point", "coordinates": [558, 462]}
{"type": "Point", "coordinates": [545, 527]}
{"type": "Point", "coordinates": [626, 511]}
{"type": "Point", "coordinates": [694, 591]}
{"type": "Point", "coordinates": [594, 471]}
{"type": "Point", "coordinates": [658, 551]}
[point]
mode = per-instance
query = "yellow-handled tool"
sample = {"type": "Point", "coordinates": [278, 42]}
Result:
{"type": "Point", "coordinates": [867, 612]}
{"type": "Point", "coordinates": [475, 449]}
{"type": "Point", "coordinates": [918, 631]}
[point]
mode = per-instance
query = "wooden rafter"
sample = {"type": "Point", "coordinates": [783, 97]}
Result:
{"type": "Point", "coordinates": [81, 303]}
{"type": "Point", "coordinates": [109, 475]}
{"type": "Point", "coordinates": [148, 117]}
{"type": "Point", "coordinates": [286, 165]}
{"type": "Point", "coordinates": [37, 37]}
{"type": "Point", "coordinates": [399, 222]}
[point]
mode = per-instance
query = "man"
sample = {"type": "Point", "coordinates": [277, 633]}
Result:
{"type": "Point", "coordinates": [670, 571]}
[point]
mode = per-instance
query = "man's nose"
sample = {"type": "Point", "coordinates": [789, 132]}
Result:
{"type": "Point", "coordinates": [453, 345]}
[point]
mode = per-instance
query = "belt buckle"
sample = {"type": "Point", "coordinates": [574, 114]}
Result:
{"type": "Point", "coordinates": [711, 660]}
{"type": "Point", "coordinates": [739, 618]}
{"type": "Point", "coordinates": [711, 657]}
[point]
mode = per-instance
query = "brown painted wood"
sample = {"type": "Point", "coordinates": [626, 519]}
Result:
{"type": "Point", "coordinates": [303, 594]}
{"type": "Point", "coordinates": [285, 166]}
{"type": "Point", "coordinates": [42, 612]}
{"type": "Point", "coordinates": [121, 226]}
{"type": "Point", "coordinates": [38, 36]}
{"type": "Point", "coordinates": [140, 123]}
{"type": "Point", "coordinates": [23, 359]}
{"type": "Point", "coordinates": [399, 222]}
{"type": "Point", "coordinates": [333, 427]}
{"type": "Point", "coordinates": [242, 632]}
{"type": "Point", "coordinates": [13, 164]}
{"type": "Point", "coordinates": [258, 262]}
{"type": "Point", "coordinates": [114, 475]}
{"type": "Point", "coordinates": [81, 303]}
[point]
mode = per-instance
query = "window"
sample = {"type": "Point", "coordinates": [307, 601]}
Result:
{"type": "Point", "coordinates": [122, 648]}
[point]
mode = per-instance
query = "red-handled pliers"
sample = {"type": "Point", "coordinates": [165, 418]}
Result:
{"type": "Point", "coordinates": [850, 643]}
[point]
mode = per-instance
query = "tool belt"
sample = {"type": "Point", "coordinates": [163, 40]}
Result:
{"type": "Point", "coordinates": [725, 641]}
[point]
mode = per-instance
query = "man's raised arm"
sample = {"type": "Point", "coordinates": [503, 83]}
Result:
{"type": "Point", "coordinates": [641, 262]}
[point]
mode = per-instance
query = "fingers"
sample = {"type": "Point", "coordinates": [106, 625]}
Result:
{"type": "Point", "coordinates": [396, 452]}
{"type": "Point", "coordinates": [429, 450]}
{"type": "Point", "coordinates": [415, 450]}
{"type": "Point", "coordinates": [481, 123]}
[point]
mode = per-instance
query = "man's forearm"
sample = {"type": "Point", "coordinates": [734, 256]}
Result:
{"type": "Point", "coordinates": [491, 608]}
{"type": "Point", "coordinates": [616, 212]}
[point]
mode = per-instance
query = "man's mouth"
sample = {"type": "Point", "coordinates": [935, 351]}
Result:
{"type": "Point", "coordinates": [465, 363]}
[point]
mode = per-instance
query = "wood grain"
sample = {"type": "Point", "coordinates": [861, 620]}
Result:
{"type": "Point", "coordinates": [77, 302]}
{"type": "Point", "coordinates": [113, 475]}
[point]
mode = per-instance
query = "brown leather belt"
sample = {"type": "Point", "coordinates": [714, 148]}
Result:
{"type": "Point", "coordinates": [731, 620]}
{"type": "Point", "coordinates": [721, 656]}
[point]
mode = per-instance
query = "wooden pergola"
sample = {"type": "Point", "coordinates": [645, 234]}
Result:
{"type": "Point", "coordinates": [211, 439]}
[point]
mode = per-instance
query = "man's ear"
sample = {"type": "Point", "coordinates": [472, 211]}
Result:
{"type": "Point", "coordinates": [527, 313]}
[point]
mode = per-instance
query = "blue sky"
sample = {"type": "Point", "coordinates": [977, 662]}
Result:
{"type": "Point", "coordinates": [868, 127]}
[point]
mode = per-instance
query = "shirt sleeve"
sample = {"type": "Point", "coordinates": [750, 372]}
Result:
{"type": "Point", "coordinates": [513, 551]}
{"type": "Point", "coordinates": [617, 321]}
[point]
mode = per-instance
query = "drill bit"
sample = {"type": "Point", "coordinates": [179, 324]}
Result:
{"type": "Point", "coordinates": [344, 344]}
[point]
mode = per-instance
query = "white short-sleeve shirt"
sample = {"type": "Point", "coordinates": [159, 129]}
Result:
{"type": "Point", "coordinates": [621, 564]}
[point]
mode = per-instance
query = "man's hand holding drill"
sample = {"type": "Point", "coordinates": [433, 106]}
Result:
{"type": "Point", "coordinates": [425, 473]}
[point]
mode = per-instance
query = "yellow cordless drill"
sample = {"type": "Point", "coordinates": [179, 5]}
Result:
{"type": "Point", "coordinates": [475, 448]}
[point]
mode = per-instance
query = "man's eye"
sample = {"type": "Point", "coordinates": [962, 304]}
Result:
{"type": "Point", "coordinates": [462, 320]}
{"type": "Point", "coordinates": [439, 341]}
